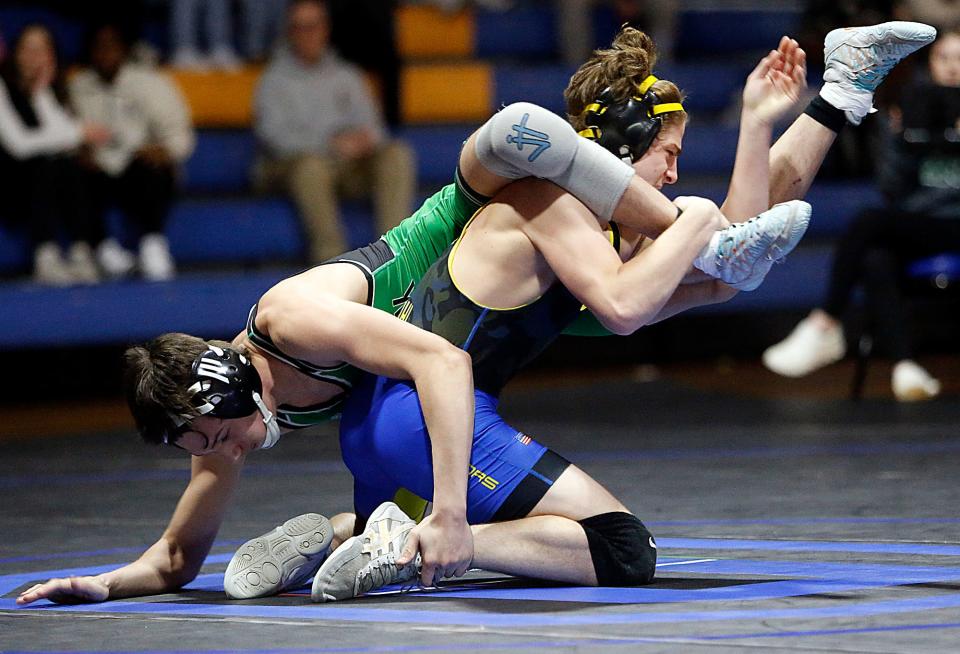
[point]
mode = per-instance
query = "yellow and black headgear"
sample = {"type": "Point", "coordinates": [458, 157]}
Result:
{"type": "Point", "coordinates": [627, 128]}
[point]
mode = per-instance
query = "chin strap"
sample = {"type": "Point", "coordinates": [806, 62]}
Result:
{"type": "Point", "coordinates": [269, 421]}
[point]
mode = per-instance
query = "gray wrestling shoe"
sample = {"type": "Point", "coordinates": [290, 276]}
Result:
{"type": "Point", "coordinates": [741, 255]}
{"type": "Point", "coordinates": [797, 215]}
{"type": "Point", "coordinates": [369, 561]}
{"type": "Point", "coordinates": [282, 559]}
{"type": "Point", "coordinates": [857, 59]}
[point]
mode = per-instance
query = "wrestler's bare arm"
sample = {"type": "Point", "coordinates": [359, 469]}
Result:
{"type": "Point", "coordinates": [622, 295]}
{"type": "Point", "coordinates": [771, 90]}
{"type": "Point", "coordinates": [175, 558]}
{"type": "Point", "coordinates": [320, 327]}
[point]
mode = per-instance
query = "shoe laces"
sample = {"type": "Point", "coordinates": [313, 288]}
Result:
{"type": "Point", "coordinates": [382, 571]}
{"type": "Point", "coordinates": [736, 245]}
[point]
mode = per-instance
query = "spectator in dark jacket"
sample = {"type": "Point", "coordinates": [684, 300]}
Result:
{"type": "Point", "coordinates": [921, 178]}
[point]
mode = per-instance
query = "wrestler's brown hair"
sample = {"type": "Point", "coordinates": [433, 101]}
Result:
{"type": "Point", "coordinates": [156, 377]}
{"type": "Point", "coordinates": [622, 68]}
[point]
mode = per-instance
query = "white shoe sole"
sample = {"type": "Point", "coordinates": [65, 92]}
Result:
{"type": "Point", "coordinates": [282, 559]}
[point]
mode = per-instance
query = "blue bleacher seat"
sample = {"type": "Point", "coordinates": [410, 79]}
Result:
{"type": "Point", "coordinates": [542, 85]}
{"type": "Point", "coordinates": [232, 230]}
{"type": "Point", "coordinates": [834, 203]}
{"type": "Point", "coordinates": [209, 305]}
{"type": "Point", "coordinates": [710, 86]}
{"type": "Point", "coordinates": [708, 150]}
{"type": "Point", "coordinates": [723, 32]}
{"type": "Point", "coordinates": [524, 31]}
{"type": "Point", "coordinates": [437, 149]}
{"type": "Point", "coordinates": [15, 255]}
{"type": "Point", "coordinates": [221, 161]}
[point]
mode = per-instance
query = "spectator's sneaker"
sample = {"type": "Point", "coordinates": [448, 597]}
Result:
{"type": "Point", "coordinates": [80, 258]}
{"type": "Point", "coordinates": [369, 561]}
{"type": "Point", "coordinates": [911, 383]}
{"type": "Point", "coordinates": [225, 59]}
{"type": "Point", "coordinates": [797, 222]}
{"type": "Point", "coordinates": [857, 59]}
{"type": "Point", "coordinates": [156, 262]}
{"type": "Point", "coordinates": [734, 254]}
{"type": "Point", "coordinates": [115, 260]}
{"type": "Point", "coordinates": [283, 559]}
{"type": "Point", "coordinates": [49, 266]}
{"type": "Point", "coordinates": [810, 346]}
{"type": "Point", "coordinates": [189, 59]}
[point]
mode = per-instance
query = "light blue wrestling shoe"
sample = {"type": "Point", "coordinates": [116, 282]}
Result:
{"type": "Point", "coordinates": [741, 255]}
{"type": "Point", "coordinates": [793, 218]}
{"type": "Point", "coordinates": [857, 59]}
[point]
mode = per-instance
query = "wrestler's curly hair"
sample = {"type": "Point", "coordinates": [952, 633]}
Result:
{"type": "Point", "coordinates": [621, 67]}
{"type": "Point", "coordinates": [156, 377]}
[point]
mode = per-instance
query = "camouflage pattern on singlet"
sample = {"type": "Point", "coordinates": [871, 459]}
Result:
{"type": "Point", "coordinates": [500, 341]}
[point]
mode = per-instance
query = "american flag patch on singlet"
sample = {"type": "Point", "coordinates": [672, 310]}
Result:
{"type": "Point", "coordinates": [523, 438]}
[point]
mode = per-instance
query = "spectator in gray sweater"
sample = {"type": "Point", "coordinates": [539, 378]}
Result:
{"type": "Point", "coordinates": [322, 136]}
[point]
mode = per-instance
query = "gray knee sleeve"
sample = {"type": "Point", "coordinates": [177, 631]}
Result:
{"type": "Point", "coordinates": [524, 140]}
{"type": "Point", "coordinates": [623, 550]}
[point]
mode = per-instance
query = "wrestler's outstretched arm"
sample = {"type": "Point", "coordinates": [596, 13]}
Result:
{"type": "Point", "coordinates": [175, 558]}
{"type": "Point", "coordinates": [302, 322]}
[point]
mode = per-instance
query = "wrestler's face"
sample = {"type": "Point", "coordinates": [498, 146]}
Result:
{"type": "Point", "coordinates": [658, 165]}
{"type": "Point", "coordinates": [232, 438]}
{"type": "Point", "coordinates": [945, 61]}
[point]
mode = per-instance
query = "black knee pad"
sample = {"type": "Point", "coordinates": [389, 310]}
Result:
{"type": "Point", "coordinates": [623, 550]}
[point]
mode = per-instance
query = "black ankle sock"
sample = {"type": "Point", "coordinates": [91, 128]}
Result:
{"type": "Point", "coordinates": [826, 114]}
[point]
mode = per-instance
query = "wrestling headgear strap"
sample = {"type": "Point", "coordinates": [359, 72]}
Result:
{"type": "Point", "coordinates": [227, 385]}
{"type": "Point", "coordinates": [627, 128]}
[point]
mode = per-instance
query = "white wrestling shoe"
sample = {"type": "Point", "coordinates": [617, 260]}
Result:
{"type": "Point", "coordinates": [810, 346]}
{"type": "Point", "coordinates": [741, 255]}
{"type": "Point", "coordinates": [857, 59]}
{"type": "Point", "coordinates": [283, 559]}
{"type": "Point", "coordinates": [369, 561]}
{"type": "Point", "coordinates": [798, 219]}
{"type": "Point", "coordinates": [911, 383]}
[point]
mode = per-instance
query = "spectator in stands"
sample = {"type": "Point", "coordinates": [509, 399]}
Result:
{"type": "Point", "coordinates": [321, 133]}
{"type": "Point", "coordinates": [921, 218]}
{"type": "Point", "coordinates": [152, 136]}
{"type": "Point", "coordinates": [218, 34]}
{"type": "Point", "coordinates": [451, 6]}
{"type": "Point", "coordinates": [942, 14]}
{"type": "Point", "coordinates": [575, 25]}
{"type": "Point", "coordinates": [363, 33]}
{"type": "Point", "coordinates": [38, 164]}
{"type": "Point", "coordinates": [261, 26]}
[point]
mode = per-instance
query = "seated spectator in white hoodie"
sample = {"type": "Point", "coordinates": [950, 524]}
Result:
{"type": "Point", "coordinates": [152, 135]}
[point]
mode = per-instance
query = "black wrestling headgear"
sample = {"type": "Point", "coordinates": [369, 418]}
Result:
{"type": "Point", "coordinates": [225, 385]}
{"type": "Point", "coordinates": [627, 128]}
